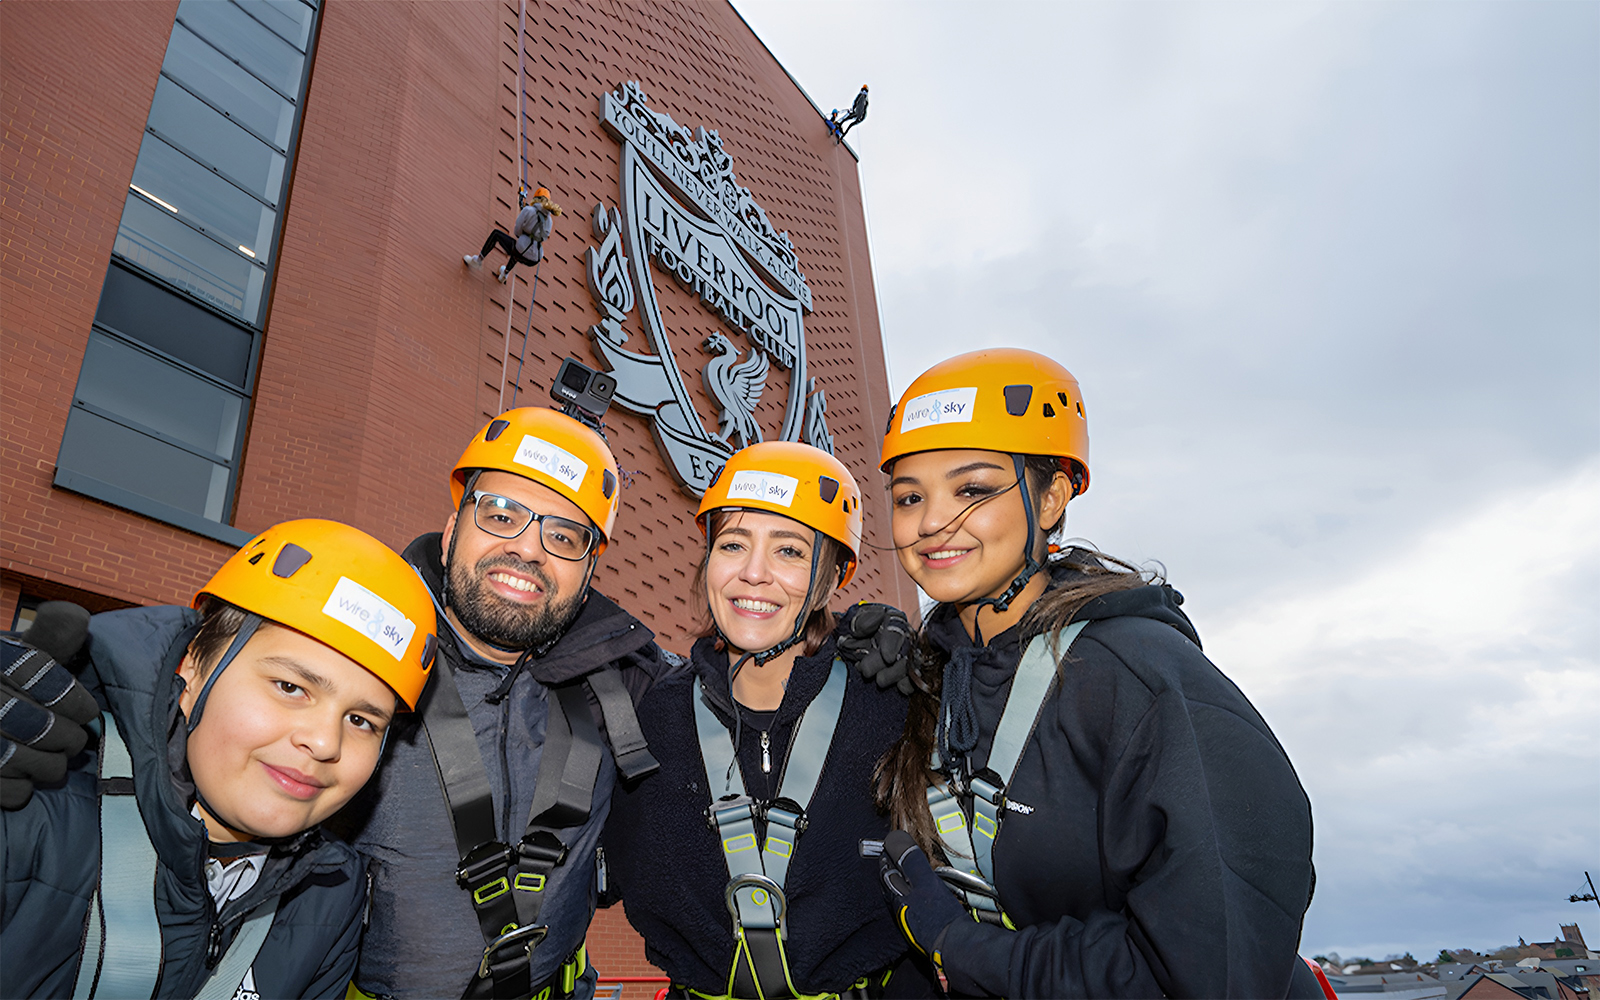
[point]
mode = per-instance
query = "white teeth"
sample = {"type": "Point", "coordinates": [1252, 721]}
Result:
{"type": "Point", "coordinates": [947, 554]}
{"type": "Point", "coordinates": [515, 582]}
{"type": "Point", "coordinates": [752, 605]}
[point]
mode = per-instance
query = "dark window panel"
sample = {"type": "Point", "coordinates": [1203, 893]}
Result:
{"type": "Point", "coordinates": [203, 132]}
{"type": "Point", "coordinates": [244, 38]}
{"type": "Point", "coordinates": [149, 313]}
{"type": "Point", "coordinates": [148, 391]}
{"type": "Point", "coordinates": [155, 240]}
{"type": "Point", "coordinates": [242, 97]}
{"type": "Point", "coordinates": [202, 199]}
{"type": "Point", "coordinates": [138, 463]}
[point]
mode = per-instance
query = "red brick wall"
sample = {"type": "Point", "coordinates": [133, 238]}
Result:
{"type": "Point", "coordinates": [382, 353]}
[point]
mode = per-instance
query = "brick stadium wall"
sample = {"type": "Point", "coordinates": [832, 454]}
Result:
{"type": "Point", "coordinates": [382, 352]}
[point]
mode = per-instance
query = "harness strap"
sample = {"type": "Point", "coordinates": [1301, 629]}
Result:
{"type": "Point", "coordinates": [755, 892]}
{"type": "Point", "coordinates": [969, 830]}
{"type": "Point", "coordinates": [230, 972]}
{"type": "Point", "coordinates": [628, 744]}
{"type": "Point", "coordinates": [122, 948]}
{"type": "Point", "coordinates": [122, 952]}
{"type": "Point", "coordinates": [506, 882]}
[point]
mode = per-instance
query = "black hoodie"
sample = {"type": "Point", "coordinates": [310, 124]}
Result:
{"type": "Point", "coordinates": [1156, 841]}
{"type": "Point", "coordinates": [668, 867]}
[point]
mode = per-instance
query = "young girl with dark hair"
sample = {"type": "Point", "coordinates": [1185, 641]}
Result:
{"type": "Point", "coordinates": [1109, 814]}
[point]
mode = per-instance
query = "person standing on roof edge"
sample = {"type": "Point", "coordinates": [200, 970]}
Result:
{"type": "Point", "coordinates": [767, 741]}
{"type": "Point", "coordinates": [483, 828]}
{"type": "Point", "coordinates": [1111, 815]}
{"type": "Point", "coordinates": [525, 243]}
{"type": "Point", "coordinates": [182, 857]}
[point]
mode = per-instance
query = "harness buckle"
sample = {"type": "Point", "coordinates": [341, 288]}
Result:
{"type": "Point", "coordinates": [729, 810]}
{"type": "Point", "coordinates": [786, 812]}
{"type": "Point", "coordinates": [486, 859]}
{"type": "Point", "coordinates": [542, 847]}
{"type": "Point", "coordinates": [987, 786]}
{"type": "Point", "coordinates": [532, 934]}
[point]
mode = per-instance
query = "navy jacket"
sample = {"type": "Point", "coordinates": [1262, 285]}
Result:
{"type": "Point", "coordinates": [1156, 841]}
{"type": "Point", "coordinates": [423, 938]}
{"type": "Point", "coordinates": [667, 865]}
{"type": "Point", "coordinates": [52, 847]}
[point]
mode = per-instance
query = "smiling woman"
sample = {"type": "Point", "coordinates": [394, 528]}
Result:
{"type": "Point", "coordinates": [772, 739]}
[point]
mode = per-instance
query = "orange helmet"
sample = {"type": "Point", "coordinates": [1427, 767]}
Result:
{"type": "Point", "coordinates": [797, 481]}
{"type": "Point", "coordinates": [342, 587]}
{"type": "Point", "coordinates": [541, 192]}
{"type": "Point", "coordinates": [553, 450]}
{"type": "Point", "coordinates": [1002, 399]}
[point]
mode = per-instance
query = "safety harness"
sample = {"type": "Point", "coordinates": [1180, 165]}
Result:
{"type": "Point", "coordinates": [968, 809]}
{"type": "Point", "coordinates": [507, 882]}
{"type": "Point", "coordinates": [755, 892]}
{"type": "Point", "coordinates": [122, 941]}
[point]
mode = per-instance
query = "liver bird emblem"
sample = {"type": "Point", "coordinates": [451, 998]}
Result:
{"type": "Point", "coordinates": [737, 386]}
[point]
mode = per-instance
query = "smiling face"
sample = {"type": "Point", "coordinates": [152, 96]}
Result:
{"type": "Point", "coordinates": [509, 592]}
{"type": "Point", "coordinates": [959, 526]}
{"type": "Point", "coordinates": [757, 574]}
{"type": "Point", "coordinates": [291, 730]}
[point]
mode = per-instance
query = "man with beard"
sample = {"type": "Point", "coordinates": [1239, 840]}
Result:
{"type": "Point", "coordinates": [482, 826]}
{"type": "Point", "coordinates": [483, 823]}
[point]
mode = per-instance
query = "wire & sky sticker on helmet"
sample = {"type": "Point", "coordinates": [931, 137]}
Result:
{"type": "Point", "coordinates": [773, 487]}
{"type": "Point", "coordinates": [563, 465]}
{"type": "Point", "coordinates": [370, 615]}
{"type": "Point", "coordinates": [947, 406]}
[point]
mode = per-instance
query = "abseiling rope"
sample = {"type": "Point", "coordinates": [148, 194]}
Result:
{"type": "Point", "coordinates": [522, 184]}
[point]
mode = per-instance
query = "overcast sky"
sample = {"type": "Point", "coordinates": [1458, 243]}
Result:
{"type": "Point", "coordinates": [1329, 275]}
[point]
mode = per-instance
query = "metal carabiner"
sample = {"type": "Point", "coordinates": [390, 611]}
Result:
{"type": "Point", "coordinates": [957, 879]}
{"type": "Point", "coordinates": [754, 881]}
{"type": "Point", "coordinates": [515, 934]}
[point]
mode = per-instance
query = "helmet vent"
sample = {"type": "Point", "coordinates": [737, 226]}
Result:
{"type": "Point", "coordinates": [496, 428]}
{"type": "Point", "coordinates": [888, 425]}
{"type": "Point", "coordinates": [1080, 409]}
{"type": "Point", "coordinates": [1017, 399]}
{"type": "Point", "coordinates": [290, 558]}
{"type": "Point", "coordinates": [1049, 410]}
{"type": "Point", "coordinates": [827, 488]}
{"type": "Point", "coordinates": [1066, 403]}
{"type": "Point", "coordinates": [608, 484]}
{"type": "Point", "coordinates": [255, 558]}
{"type": "Point", "coordinates": [428, 649]}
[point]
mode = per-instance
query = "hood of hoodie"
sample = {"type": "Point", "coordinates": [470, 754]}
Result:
{"type": "Point", "coordinates": [806, 680]}
{"type": "Point", "coordinates": [135, 654]}
{"type": "Point", "coordinates": [601, 634]}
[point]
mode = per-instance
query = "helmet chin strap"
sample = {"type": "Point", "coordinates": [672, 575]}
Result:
{"type": "Point", "coordinates": [1030, 565]}
{"type": "Point", "coordinates": [252, 621]}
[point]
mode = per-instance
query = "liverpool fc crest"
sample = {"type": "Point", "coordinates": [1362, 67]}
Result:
{"type": "Point", "coordinates": [682, 208]}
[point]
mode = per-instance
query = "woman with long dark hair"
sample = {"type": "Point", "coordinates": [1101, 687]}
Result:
{"type": "Point", "coordinates": [1109, 815]}
{"type": "Point", "coordinates": [741, 861]}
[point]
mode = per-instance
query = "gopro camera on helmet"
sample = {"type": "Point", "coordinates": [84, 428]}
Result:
{"type": "Point", "coordinates": [584, 394]}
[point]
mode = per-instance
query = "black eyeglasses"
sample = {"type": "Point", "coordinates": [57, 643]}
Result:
{"type": "Point", "coordinates": [503, 517]}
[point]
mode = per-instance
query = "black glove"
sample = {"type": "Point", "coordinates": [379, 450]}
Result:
{"type": "Point", "coordinates": [924, 906]}
{"type": "Point", "coordinates": [877, 639]}
{"type": "Point", "coordinates": [42, 706]}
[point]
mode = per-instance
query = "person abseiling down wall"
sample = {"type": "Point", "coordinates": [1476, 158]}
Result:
{"type": "Point", "coordinates": [1111, 816]}
{"type": "Point", "coordinates": [525, 243]}
{"type": "Point", "coordinates": [182, 856]}
{"type": "Point", "coordinates": [483, 825]}
{"type": "Point", "coordinates": [741, 862]}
